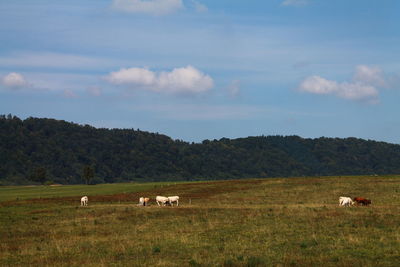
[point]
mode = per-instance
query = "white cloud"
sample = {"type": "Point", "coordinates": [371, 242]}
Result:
{"type": "Point", "coordinates": [151, 7]}
{"type": "Point", "coordinates": [369, 75]}
{"type": "Point", "coordinates": [295, 2]}
{"type": "Point", "coordinates": [178, 81]}
{"type": "Point", "coordinates": [14, 80]}
{"type": "Point", "coordinates": [137, 76]}
{"type": "Point", "coordinates": [361, 88]}
{"type": "Point", "coordinates": [358, 91]}
{"type": "Point", "coordinates": [183, 80]}
{"type": "Point", "coordinates": [46, 82]}
{"type": "Point", "coordinates": [318, 85]}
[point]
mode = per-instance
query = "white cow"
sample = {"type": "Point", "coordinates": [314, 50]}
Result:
{"type": "Point", "coordinates": [84, 201]}
{"type": "Point", "coordinates": [161, 199]}
{"type": "Point", "coordinates": [345, 201]}
{"type": "Point", "coordinates": [141, 201]}
{"type": "Point", "coordinates": [144, 201]}
{"type": "Point", "coordinates": [173, 199]}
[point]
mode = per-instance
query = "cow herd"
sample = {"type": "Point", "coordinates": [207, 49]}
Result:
{"type": "Point", "coordinates": [347, 201]}
{"type": "Point", "coordinates": [169, 201]}
{"type": "Point", "coordinates": [144, 201]}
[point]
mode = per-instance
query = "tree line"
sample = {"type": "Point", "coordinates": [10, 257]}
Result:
{"type": "Point", "coordinates": [38, 150]}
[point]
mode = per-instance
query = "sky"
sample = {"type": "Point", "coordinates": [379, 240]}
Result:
{"type": "Point", "coordinates": [206, 69]}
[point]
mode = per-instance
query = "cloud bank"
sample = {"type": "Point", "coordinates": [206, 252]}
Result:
{"type": "Point", "coordinates": [150, 7]}
{"type": "Point", "coordinates": [187, 80]}
{"type": "Point", "coordinates": [363, 86]}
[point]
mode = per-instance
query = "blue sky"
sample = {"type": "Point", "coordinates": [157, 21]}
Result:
{"type": "Point", "coordinates": [202, 69]}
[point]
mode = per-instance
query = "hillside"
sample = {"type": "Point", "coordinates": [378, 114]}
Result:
{"type": "Point", "coordinates": [37, 150]}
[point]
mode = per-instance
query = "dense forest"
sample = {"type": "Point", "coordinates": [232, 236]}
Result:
{"type": "Point", "coordinates": [47, 150]}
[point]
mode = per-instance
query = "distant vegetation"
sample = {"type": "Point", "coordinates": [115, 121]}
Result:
{"type": "Point", "coordinates": [47, 150]}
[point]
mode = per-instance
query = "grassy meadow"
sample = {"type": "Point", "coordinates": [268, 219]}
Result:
{"type": "Point", "coordinates": [257, 222]}
{"type": "Point", "coordinates": [28, 192]}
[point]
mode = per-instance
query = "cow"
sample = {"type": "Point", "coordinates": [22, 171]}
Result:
{"type": "Point", "coordinates": [345, 201]}
{"type": "Point", "coordinates": [174, 199]}
{"type": "Point", "coordinates": [362, 201]}
{"type": "Point", "coordinates": [161, 199]}
{"type": "Point", "coordinates": [84, 201]}
{"type": "Point", "coordinates": [144, 201]}
{"type": "Point", "coordinates": [141, 201]}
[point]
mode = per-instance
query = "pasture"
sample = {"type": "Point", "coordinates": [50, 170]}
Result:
{"type": "Point", "coordinates": [257, 222]}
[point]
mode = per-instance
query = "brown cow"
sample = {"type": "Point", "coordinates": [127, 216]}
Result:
{"type": "Point", "coordinates": [362, 201]}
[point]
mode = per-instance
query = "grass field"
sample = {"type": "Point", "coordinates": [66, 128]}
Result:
{"type": "Point", "coordinates": [268, 222]}
{"type": "Point", "coordinates": [29, 192]}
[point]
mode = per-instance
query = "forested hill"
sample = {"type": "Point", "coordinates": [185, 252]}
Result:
{"type": "Point", "coordinates": [39, 150]}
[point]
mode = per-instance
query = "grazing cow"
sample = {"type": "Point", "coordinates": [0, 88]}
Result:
{"type": "Point", "coordinates": [141, 201]}
{"type": "Point", "coordinates": [84, 201]}
{"type": "Point", "coordinates": [161, 199]}
{"type": "Point", "coordinates": [345, 201]}
{"type": "Point", "coordinates": [173, 199]}
{"type": "Point", "coordinates": [362, 201]}
{"type": "Point", "coordinates": [144, 201]}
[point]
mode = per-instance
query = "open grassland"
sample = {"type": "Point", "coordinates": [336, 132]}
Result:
{"type": "Point", "coordinates": [269, 222]}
